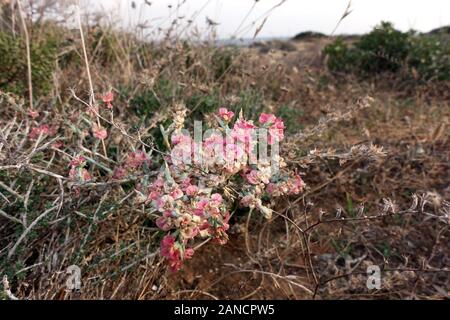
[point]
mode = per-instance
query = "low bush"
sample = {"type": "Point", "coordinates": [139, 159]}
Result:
{"type": "Point", "coordinates": [386, 49]}
{"type": "Point", "coordinates": [14, 68]}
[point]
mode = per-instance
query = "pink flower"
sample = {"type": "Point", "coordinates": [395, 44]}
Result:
{"type": "Point", "coordinates": [171, 251]}
{"type": "Point", "coordinates": [36, 132]}
{"type": "Point", "coordinates": [200, 207]}
{"type": "Point", "coordinates": [99, 132]}
{"type": "Point", "coordinates": [79, 174]}
{"type": "Point", "coordinates": [33, 114]}
{"type": "Point", "coordinates": [153, 196]}
{"type": "Point", "coordinates": [182, 139]}
{"type": "Point", "coordinates": [191, 190]}
{"type": "Point", "coordinates": [188, 253]}
{"type": "Point", "coordinates": [244, 124]}
{"type": "Point", "coordinates": [165, 203]}
{"type": "Point", "coordinates": [216, 199]}
{"type": "Point", "coordinates": [186, 182]}
{"type": "Point", "coordinates": [167, 244]}
{"type": "Point", "coordinates": [276, 131]}
{"type": "Point", "coordinates": [85, 176]}
{"type": "Point", "coordinates": [233, 152]}
{"type": "Point", "coordinates": [58, 144]}
{"type": "Point", "coordinates": [248, 201]}
{"type": "Point", "coordinates": [158, 183]}
{"type": "Point", "coordinates": [108, 98]}
{"type": "Point", "coordinates": [120, 173]}
{"type": "Point", "coordinates": [225, 114]}
{"type": "Point", "coordinates": [77, 161]}
{"type": "Point", "coordinates": [266, 118]}
{"type": "Point", "coordinates": [297, 185]}
{"type": "Point", "coordinates": [163, 223]}
{"type": "Point", "coordinates": [253, 177]}
{"type": "Point", "coordinates": [136, 159]}
{"type": "Point", "coordinates": [176, 194]}
{"type": "Point", "coordinates": [271, 187]}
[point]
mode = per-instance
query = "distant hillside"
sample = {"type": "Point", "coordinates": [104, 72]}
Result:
{"type": "Point", "coordinates": [307, 35]}
{"type": "Point", "coordinates": [442, 30]}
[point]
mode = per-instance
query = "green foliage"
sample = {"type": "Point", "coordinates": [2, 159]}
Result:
{"type": "Point", "coordinates": [386, 49]}
{"type": "Point", "coordinates": [430, 57]}
{"type": "Point", "coordinates": [145, 103]}
{"type": "Point", "coordinates": [291, 116]}
{"type": "Point", "coordinates": [203, 104]}
{"type": "Point", "coordinates": [339, 56]}
{"type": "Point", "coordinates": [383, 49]}
{"type": "Point", "coordinates": [14, 68]}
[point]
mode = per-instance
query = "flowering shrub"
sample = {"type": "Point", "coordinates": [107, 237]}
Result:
{"type": "Point", "coordinates": [202, 178]}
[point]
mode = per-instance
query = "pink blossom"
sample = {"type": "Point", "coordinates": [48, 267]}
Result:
{"type": "Point", "coordinates": [158, 183]}
{"type": "Point", "coordinates": [186, 182]}
{"type": "Point", "coordinates": [266, 118]}
{"type": "Point", "coordinates": [182, 139]}
{"type": "Point", "coordinates": [248, 201]}
{"type": "Point", "coordinates": [216, 199]}
{"type": "Point", "coordinates": [58, 144]}
{"type": "Point", "coordinates": [200, 207]}
{"type": "Point", "coordinates": [153, 195]}
{"type": "Point", "coordinates": [171, 251]}
{"type": "Point", "coordinates": [108, 98]}
{"type": "Point", "coordinates": [165, 203]}
{"type": "Point", "coordinates": [176, 194]}
{"type": "Point", "coordinates": [79, 174]}
{"type": "Point", "coordinates": [276, 131]}
{"type": "Point", "coordinates": [99, 132]}
{"type": "Point", "coordinates": [77, 161]}
{"type": "Point", "coordinates": [136, 159]}
{"type": "Point", "coordinates": [271, 187]}
{"type": "Point", "coordinates": [163, 223]}
{"type": "Point", "coordinates": [120, 173]}
{"type": "Point", "coordinates": [225, 114]}
{"type": "Point", "coordinates": [297, 185]}
{"type": "Point", "coordinates": [188, 253]}
{"type": "Point", "coordinates": [253, 177]}
{"type": "Point", "coordinates": [33, 114]}
{"type": "Point", "coordinates": [37, 131]}
{"type": "Point", "coordinates": [191, 190]}
{"type": "Point", "coordinates": [244, 124]}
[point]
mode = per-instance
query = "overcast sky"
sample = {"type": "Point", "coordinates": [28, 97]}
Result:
{"type": "Point", "coordinates": [290, 18]}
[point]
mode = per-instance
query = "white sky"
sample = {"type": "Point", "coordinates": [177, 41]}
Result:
{"type": "Point", "coordinates": [292, 17]}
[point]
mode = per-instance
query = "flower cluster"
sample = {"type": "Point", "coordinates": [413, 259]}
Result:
{"type": "Point", "coordinates": [44, 130]}
{"type": "Point", "coordinates": [134, 161]}
{"type": "Point", "coordinates": [77, 172]}
{"type": "Point", "coordinates": [186, 212]}
{"type": "Point", "coordinates": [197, 185]}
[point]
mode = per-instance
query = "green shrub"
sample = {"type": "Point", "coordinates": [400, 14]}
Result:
{"type": "Point", "coordinates": [386, 49]}
{"type": "Point", "coordinates": [14, 68]}
{"type": "Point", "coordinates": [383, 49]}
{"type": "Point", "coordinates": [339, 56]}
{"type": "Point", "coordinates": [430, 58]}
{"type": "Point", "coordinates": [145, 103]}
